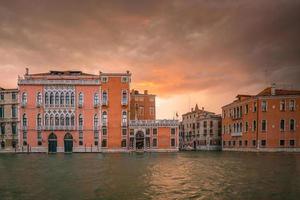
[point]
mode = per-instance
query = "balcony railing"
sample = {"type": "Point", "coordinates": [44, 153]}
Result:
{"type": "Point", "coordinates": [96, 104]}
{"type": "Point", "coordinates": [38, 104]}
{"type": "Point", "coordinates": [124, 102]}
{"type": "Point", "coordinates": [59, 127]}
{"type": "Point", "coordinates": [23, 104]}
{"type": "Point", "coordinates": [150, 123]}
{"type": "Point", "coordinates": [80, 104]}
{"type": "Point", "coordinates": [237, 134]}
{"type": "Point", "coordinates": [104, 102]}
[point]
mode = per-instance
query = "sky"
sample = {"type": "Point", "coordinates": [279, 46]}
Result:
{"type": "Point", "coordinates": [185, 52]}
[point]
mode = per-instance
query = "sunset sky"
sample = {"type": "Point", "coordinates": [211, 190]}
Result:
{"type": "Point", "coordinates": [186, 52]}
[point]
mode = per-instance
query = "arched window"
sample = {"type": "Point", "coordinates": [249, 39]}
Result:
{"type": "Point", "coordinates": [96, 99]}
{"type": "Point", "coordinates": [51, 120]}
{"type": "Point", "coordinates": [39, 98]}
{"type": "Point", "coordinates": [80, 99]}
{"type": "Point", "coordinates": [39, 120]}
{"type": "Point", "coordinates": [56, 98]}
{"type": "Point", "coordinates": [56, 120]}
{"type": "Point", "coordinates": [241, 127]}
{"type": "Point", "coordinates": [124, 97]}
{"type": "Point", "coordinates": [46, 98]}
{"type": "Point", "coordinates": [104, 97]}
{"type": "Point", "coordinates": [67, 120]}
{"type": "Point", "coordinates": [80, 120]}
{"type": "Point", "coordinates": [46, 120]}
{"type": "Point", "coordinates": [292, 125]}
{"type": "Point", "coordinates": [124, 118]}
{"type": "Point", "coordinates": [51, 98]}
{"type": "Point", "coordinates": [62, 120]}
{"type": "Point", "coordinates": [24, 120]}
{"type": "Point", "coordinates": [67, 98]}
{"type": "Point", "coordinates": [96, 121]}
{"type": "Point", "coordinates": [72, 120]}
{"type": "Point", "coordinates": [24, 98]}
{"type": "Point", "coordinates": [62, 99]}
{"type": "Point", "coordinates": [104, 118]}
{"type": "Point", "coordinates": [72, 99]}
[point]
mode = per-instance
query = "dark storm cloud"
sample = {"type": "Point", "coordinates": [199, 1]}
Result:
{"type": "Point", "coordinates": [170, 46]}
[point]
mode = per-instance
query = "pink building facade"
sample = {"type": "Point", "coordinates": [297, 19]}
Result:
{"type": "Point", "coordinates": [71, 111]}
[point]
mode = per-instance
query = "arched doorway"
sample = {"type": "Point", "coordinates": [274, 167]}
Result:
{"type": "Point", "coordinates": [139, 140]}
{"type": "Point", "coordinates": [52, 143]}
{"type": "Point", "coordinates": [68, 143]}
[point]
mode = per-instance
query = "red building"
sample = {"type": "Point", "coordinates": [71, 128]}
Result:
{"type": "Point", "coordinates": [142, 105]}
{"type": "Point", "coordinates": [71, 111]}
{"type": "Point", "coordinates": [268, 121]}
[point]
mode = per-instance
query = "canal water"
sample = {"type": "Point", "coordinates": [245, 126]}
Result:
{"type": "Point", "coordinates": [182, 175]}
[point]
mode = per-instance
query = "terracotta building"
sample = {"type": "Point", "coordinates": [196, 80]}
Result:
{"type": "Point", "coordinates": [142, 105]}
{"type": "Point", "coordinates": [71, 111]}
{"type": "Point", "coordinates": [268, 121]}
{"type": "Point", "coordinates": [200, 130]}
{"type": "Point", "coordinates": [8, 119]}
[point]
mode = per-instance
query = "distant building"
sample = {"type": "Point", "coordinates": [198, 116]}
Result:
{"type": "Point", "coordinates": [71, 111]}
{"type": "Point", "coordinates": [200, 130]}
{"type": "Point", "coordinates": [8, 119]}
{"type": "Point", "coordinates": [142, 106]}
{"type": "Point", "coordinates": [268, 121]}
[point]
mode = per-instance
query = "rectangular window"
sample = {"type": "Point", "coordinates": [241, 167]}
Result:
{"type": "Point", "coordinates": [14, 128]}
{"type": "Point", "coordinates": [2, 96]}
{"type": "Point", "coordinates": [263, 143]}
{"type": "Point", "coordinates": [246, 127]}
{"type": "Point", "coordinates": [205, 124]}
{"type": "Point", "coordinates": [246, 142]}
{"type": "Point", "coordinates": [253, 142]}
{"type": "Point", "coordinates": [104, 131]}
{"type": "Point", "coordinates": [154, 142]}
{"type": "Point", "coordinates": [14, 111]}
{"type": "Point", "coordinates": [254, 126]}
{"type": "Point", "coordinates": [173, 142]}
{"type": "Point", "coordinates": [282, 125]}
{"type": "Point", "coordinates": [173, 131]}
{"type": "Point", "coordinates": [131, 132]}
{"type": "Point", "coordinates": [264, 106]}
{"type": "Point", "coordinates": [151, 109]}
{"type": "Point", "coordinates": [246, 109]}
{"type": "Point", "coordinates": [292, 142]}
{"type": "Point", "coordinates": [282, 105]}
{"type": "Point", "coordinates": [233, 142]}
{"type": "Point", "coordinates": [281, 142]}
{"type": "Point", "coordinates": [96, 135]}
{"type": "Point", "coordinates": [124, 131]}
{"type": "Point", "coordinates": [154, 131]}
{"type": "Point", "coordinates": [254, 107]}
{"type": "Point", "coordinates": [240, 142]}
{"type": "Point", "coordinates": [229, 143]}
{"type": "Point", "coordinates": [148, 142]}
{"type": "Point", "coordinates": [3, 128]}
{"type": "Point", "coordinates": [141, 110]}
{"type": "Point", "coordinates": [14, 96]}
{"type": "Point", "coordinates": [123, 143]}
{"type": "Point", "coordinates": [1, 112]}
{"type": "Point", "coordinates": [104, 143]}
{"type": "Point", "coordinates": [264, 125]}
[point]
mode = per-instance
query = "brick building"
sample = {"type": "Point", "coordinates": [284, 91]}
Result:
{"type": "Point", "coordinates": [8, 119]}
{"type": "Point", "coordinates": [142, 105]}
{"type": "Point", "coordinates": [200, 130]}
{"type": "Point", "coordinates": [268, 121]}
{"type": "Point", "coordinates": [71, 111]}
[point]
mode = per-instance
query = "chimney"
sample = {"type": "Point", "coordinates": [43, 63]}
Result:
{"type": "Point", "coordinates": [273, 89]}
{"type": "Point", "coordinates": [145, 91]}
{"type": "Point", "coordinates": [203, 108]}
{"type": "Point", "coordinates": [127, 71]}
{"type": "Point", "coordinates": [27, 71]}
{"type": "Point", "coordinates": [192, 109]}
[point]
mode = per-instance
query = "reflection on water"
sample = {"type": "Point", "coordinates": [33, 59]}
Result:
{"type": "Point", "coordinates": [184, 175]}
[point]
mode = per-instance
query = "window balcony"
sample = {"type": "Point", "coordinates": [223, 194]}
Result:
{"type": "Point", "coordinates": [23, 104]}
{"type": "Point", "coordinates": [38, 104]}
{"type": "Point", "coordinates": [96, 104]}
{"type": "Point", "coordinates": [124, 102]}
{"type": "Point", "coordinates": [80, 104]}
{"type": "Point", "coordinates": [104, 102]}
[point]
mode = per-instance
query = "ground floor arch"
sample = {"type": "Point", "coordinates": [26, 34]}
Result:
{"type": "Point", "coordinates": [68, 143]}
{"type": "Point", "coordinates": [52, 143]}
